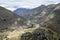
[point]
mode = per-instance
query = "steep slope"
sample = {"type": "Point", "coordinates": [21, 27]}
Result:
{"type": "Point", "coordinates": [49, 17]}
{"type": "Point", "coordinates": [55, 20]}
{"type": "Point", "coordinates": [36, 11]}
{"type": "Point", "coordinates": [52, 20]}
{"type": "Point", "coordinates": [8, 19]}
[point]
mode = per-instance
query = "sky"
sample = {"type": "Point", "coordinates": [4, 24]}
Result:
{"type": "Point", "coordinates": [14, 4]}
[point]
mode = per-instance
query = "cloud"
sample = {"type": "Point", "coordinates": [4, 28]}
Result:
{"type": "Point", "coordinates": [12, 4]}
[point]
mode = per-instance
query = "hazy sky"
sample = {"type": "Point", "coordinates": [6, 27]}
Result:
{"type": "Point", "coordinates": [13, 4]}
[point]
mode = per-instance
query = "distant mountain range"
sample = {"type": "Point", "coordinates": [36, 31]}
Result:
{"type": "Point", "coordinates": [24, 11]}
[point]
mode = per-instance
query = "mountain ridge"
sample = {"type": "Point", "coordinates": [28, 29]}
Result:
{"type": "Point", "coordinates": [8, 19]}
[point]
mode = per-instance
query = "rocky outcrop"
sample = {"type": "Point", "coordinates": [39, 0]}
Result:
{"type": "Point", "coordinates": [39, 34]}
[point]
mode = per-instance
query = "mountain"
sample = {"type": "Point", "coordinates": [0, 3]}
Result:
{"type": "Point", "coordinates": [49, 17]}
{"type": "Point", "coordinates": [10, 20]}
{"type": "Point", "coordinates": [42, 24]}
{"type": "Point", "coordinates": [22, 11]}
{"type": "Point", "coordinates": [28, 12]}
